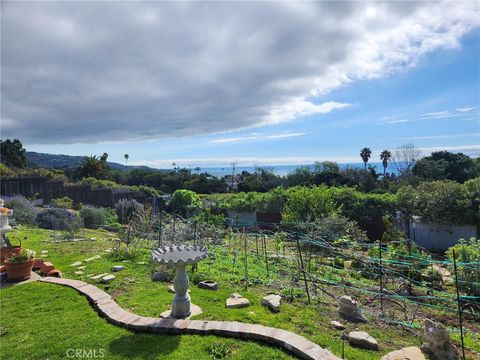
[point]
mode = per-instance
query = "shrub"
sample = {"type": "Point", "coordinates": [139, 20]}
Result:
{"type": "Point", "coordinates": [445, 202]}
{"type": "Point", "coordinates": [58, 219]}
{"type": "Point", "coordinates": [129, 210]}
{"type": "Point", "coordinates": [467, 255]}
{"type": "Point", "coordinates": [93, 216]}
{"type": "Point", "coordinates": [23, 210]}
{"type": "Point", "coordinates": [64, 203]}
{"type": "Point", "coordinates": [335, 227]}
{"type": "Point", "coordinates": [184, 202]}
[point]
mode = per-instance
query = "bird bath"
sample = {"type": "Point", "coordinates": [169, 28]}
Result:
{"type": "Point", "coordinates": [180, 256]}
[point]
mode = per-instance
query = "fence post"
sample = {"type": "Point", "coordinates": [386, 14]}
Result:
{"type": "Point", "coordinates": [458, 302]}
{"type": "Point", "coordinates": [264, 243]}
{"type": "Point", "coordinates": [303, 269]}
{"type": "Point", "coordinates": [409, 266]}
{"type": "Point", "coordinates": [381, 274]}
{"type": "Point", "coordinates": [246, 261]}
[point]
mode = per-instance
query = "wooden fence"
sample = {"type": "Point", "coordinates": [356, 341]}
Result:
{"type": "Point", "coordinates": [49, 189]}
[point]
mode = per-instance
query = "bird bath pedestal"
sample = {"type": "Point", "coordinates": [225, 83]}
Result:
{"type": "Point", "coordinates": [180, 257]}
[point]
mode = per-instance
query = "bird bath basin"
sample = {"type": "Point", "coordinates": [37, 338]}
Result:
{"type": "Point", "coordinates": [180, 256]}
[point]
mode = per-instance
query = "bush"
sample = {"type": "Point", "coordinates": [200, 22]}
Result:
{"type": "Point", "coordinates": [467, 255]}
{"type": "Point", "coordinates": [184, 202]}
{"type": "Point", "coordinates": [64, 203]}
{"type": "Point", "coordinates": [93, 216]}
{"type": "Point", "coordinates": [129, 210]}
{"type": "Point", "coordinates": [58, 219]}
{"type": "Point", "coordinates": [23, 210]}
{"type": "Point", "coordinates": [444, 202]}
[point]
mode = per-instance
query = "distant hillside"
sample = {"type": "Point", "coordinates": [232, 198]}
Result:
{"type": "Point", "coordinates": [60, 161]}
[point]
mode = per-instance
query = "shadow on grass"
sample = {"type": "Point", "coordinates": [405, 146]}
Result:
{"type": "Point", "coordinates": [144, 346]}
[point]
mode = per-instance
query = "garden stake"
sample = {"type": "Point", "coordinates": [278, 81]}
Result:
{"type": "Point", "coordinates": [303, 270]}
{"type": "Point", "coordinates": [246, 262]}
{"type": "Point", "coordinates": [409, 266]}
{"type": "Point", "coordinates": [458, 302]}
{"type": "Point", "coordinates": [381, 274]}
{"type": "Point", "coordinates": [265, 253]}
{"type": "Point", "coordinates": [256, 243]}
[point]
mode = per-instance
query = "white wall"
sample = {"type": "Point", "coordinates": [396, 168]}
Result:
{"type": "Point", "coordinates": [242, 219]}
{"type": "Point", "coordinates": [437, 237]}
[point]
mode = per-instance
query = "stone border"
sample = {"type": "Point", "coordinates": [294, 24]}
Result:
{"type": "Point", "coordinates": [108, 308]}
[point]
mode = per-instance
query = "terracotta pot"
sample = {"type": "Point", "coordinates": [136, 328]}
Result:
{"type": "Point", "coordinates": [6, 252]}
{"type": "Point", "coordinates": [19, 271]}
{"type": "Point", "coordinates": [38, 263]}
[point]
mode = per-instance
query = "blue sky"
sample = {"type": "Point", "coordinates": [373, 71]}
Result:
{"type": "Point", "coordinates": [428, 95]}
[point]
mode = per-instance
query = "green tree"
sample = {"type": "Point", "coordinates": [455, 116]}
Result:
{"type": "Point", "coordinates": [444, 165]}
{"type": "Point", "coordinates": [385, 156]}
{"type": "Point", "coordinates": [13, 154]}
{"type": "Point", "coordinates": [91, 166]}
{"type": "Point", "coordinates": [365, 154]}
{"type": "Point", "coordinates": [183, 202]}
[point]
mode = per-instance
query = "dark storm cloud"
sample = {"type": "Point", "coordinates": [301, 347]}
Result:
{"type": "Point", "coordinates": [116, 71]}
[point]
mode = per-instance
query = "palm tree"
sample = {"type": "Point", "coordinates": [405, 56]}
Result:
{"type": "Point", "coordinates": [365, 154]}
{"type": "Point", "coordinates": [126, 160]}
{"type": "Point", "coordinates": [104, 157]}
{"type": "Point", "coordinates": [385, 156]}
{"type": "Point", "coordinates": [197, 169]}
{"type": "Point", "coordinates": [91, 166]}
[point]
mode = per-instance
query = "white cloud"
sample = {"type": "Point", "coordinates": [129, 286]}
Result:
{"type": "Point", "coordinates": [256, 137]}
{"type": "Point", "coordinates": [449, 136]}
{"type": "Point", "coordinates": [445, 114]}
{"type": "Point", "coordinates": [466, 109]}
{"type": "Point", "coordinates": [116, 71]}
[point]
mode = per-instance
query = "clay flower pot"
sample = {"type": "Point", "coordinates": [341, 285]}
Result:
{"type": "Point", "coordinates": [19, 271]}
{"type": "Point", "coordinates": [38, 263]}
{"type": "Point", "coordinates": [7, 252]}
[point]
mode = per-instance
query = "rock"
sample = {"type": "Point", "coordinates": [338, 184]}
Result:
{"type": "Point", "coordinates": [363, 340]}
{"type": "Point", "coordinates": [337, 325]}
{"type": "Point", "coordinates": [171, 289]}
{"type": "Point", "coordinates": [160, 276]}
{"type": "Point", "coordinates": [55, 273]}
{"type": "Point", "coordinates": [142, 263]}
{"type": "Point", "coordinates": [237, 301]}
{"type": "Point", "coordinates": [46, 267]}
{"type": "Point", "coordinates": [107, 251]}
{"type": "Point", "coordinates": [438, 345]}
{"type": "Point", "coordinates": [407, 353]}
{"type": "Point", "coordinates": [208, 285]}
{"type": "Point", "coordinates": [96, 277]}
{"type": "Point", "coordinates": [78, 273]}
{"type": "Point", "coordinates": [81, 267]}
{"type": "Point", "coordinates": [348, 309]}
{"type": "Point", "coordinates": [272, 301]}
{"type": "Point", "coordinates": [77, 263]}
{"type": "Point", "coordinates": [92, 258]}
{"type": "Point", "coordinates": [44, 252]}
{"type": "Point", "coordinates": [107, 279]}
{"type": "Point", "coordinates": [117, 268]}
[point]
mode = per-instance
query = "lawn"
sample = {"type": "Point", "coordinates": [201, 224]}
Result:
{"type": "Point", "coordinates": [67, 321]}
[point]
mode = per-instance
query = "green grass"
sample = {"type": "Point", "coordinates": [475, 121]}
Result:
{"type": "Point", "coordinates": [45, 321]}
{"type": "Point", "coordinates": [134, 291]}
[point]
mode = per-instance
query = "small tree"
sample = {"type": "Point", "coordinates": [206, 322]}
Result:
{"type": "Point", "coordinates": [129, 210]}
{"type": "Point", "coordinates": [13, 154]}
{"type": "Point", "coordinates": [405, 158]}
{"type": "Point", "coordinates": [183, 202]}
{"type": "Point", "coordinates": [385, 156]}
{"type": "Point", "coordinates": [365, 154]}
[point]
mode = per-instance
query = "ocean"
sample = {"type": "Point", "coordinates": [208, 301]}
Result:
{"type": "Point", "coordinates": [284, 170]}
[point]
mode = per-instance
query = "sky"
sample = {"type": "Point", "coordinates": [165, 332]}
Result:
{"type": "Point", "coordinates": [257, 83]}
